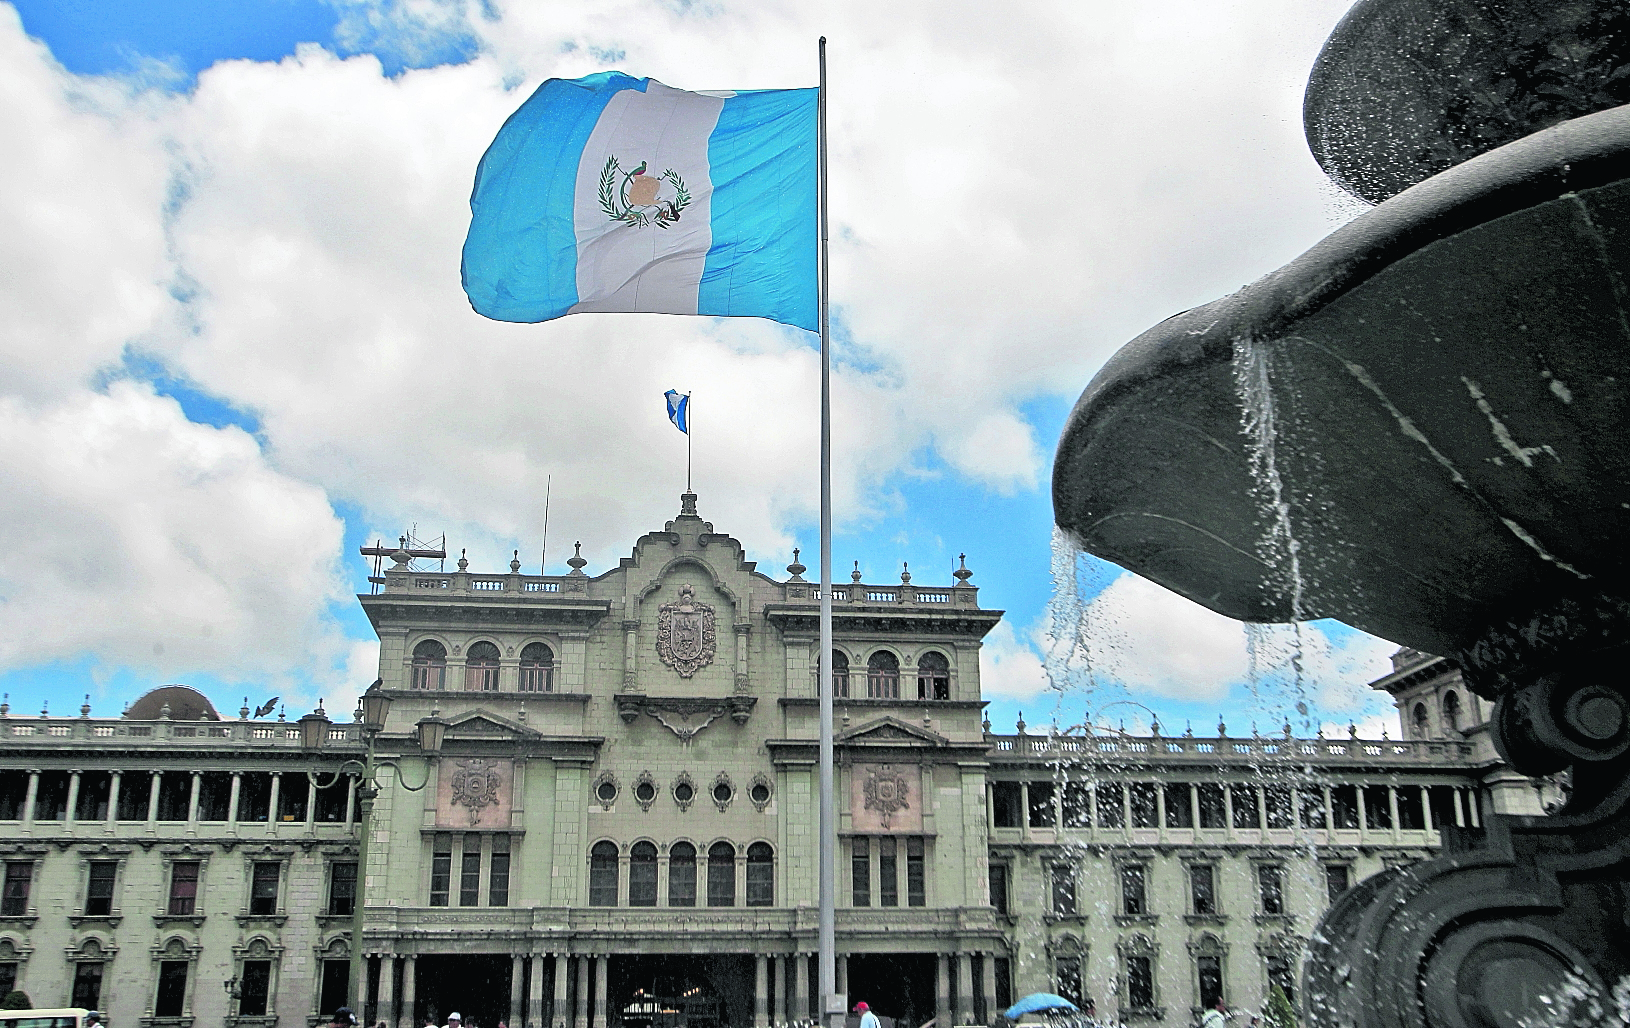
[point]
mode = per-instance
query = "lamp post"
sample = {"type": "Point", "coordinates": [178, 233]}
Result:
{"type": "Point", "coordinates": [376, 705]}
{"type": "Point", "coordinates": [234, 992]}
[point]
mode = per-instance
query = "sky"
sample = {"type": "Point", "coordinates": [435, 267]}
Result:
{"type": "Point", "coordinates": [237, 349]}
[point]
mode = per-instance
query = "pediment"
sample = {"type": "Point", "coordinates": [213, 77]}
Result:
{"type": "Point", "coordinates": [889, 730]}
{"type": "Point", "coordinates": [484, 724]}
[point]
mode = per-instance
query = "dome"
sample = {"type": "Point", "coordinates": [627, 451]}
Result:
{"type": "Point", "coordinates": [185, 703]}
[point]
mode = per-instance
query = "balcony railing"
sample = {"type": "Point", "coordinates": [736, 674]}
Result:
{"type": "Point", "coordinates": [1210, 750]}
{"type": "Point", "coordinates": [30, 731]}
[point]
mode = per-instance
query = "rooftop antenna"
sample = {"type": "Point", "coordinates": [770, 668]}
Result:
{"type": "Point", "coordinates": [543, 561]}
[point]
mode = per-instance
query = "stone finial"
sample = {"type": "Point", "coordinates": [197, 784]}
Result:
{"type": "Point", "coordinates": [5, 706]}
{"type": "Point", "coordinates": [1222, 729]}
{"type": "Point", "coordinates": [282, 712]}
{"type": "Point", "coordinates": [1019, 725]}
{"type": "Point", "coordinates": [1154, 728]}
{"type": "Point", "coordinates": [85, 708]}
{"type": "Point", "coordinates": [402, 557]}
{"type": "Point", "coordinates": [243, 711]}
{"type": "Point", "coordinates": [854, 576]}
{"type": "Point", "coordinates": [358, 714]}
{"type": "Point", "coordinates": [1287, 728]}
{"type": "Point", "coordinates": [687, 504]}
{"type": "Point", "coordinates": [1352, 729]}
{"type": "Point", "coordinates": [905, 573]}
{"type": "Point", "coordinates": [577, 562]}
{"type": "Point", "coordinates": [962, 574]}
{"type": "Point", "coordinates": [515, 563]}
{"type": "Point", "coordinates": [463, 559]}
{"type": "Point", "coordinates": [987, 724]}
{"type": "Point", "coordinates": [1188, 728]}
{"type": "Point", "coordinates": [795, 569]}
{"type": "Point", "coordinates": [164, 712]}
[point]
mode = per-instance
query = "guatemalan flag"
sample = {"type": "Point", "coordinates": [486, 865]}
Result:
{"type": "Point", "coordinates": [611, 193]}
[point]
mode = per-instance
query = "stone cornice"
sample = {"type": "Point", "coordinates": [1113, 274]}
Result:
{"type": "Point", "coordinates": [804, 619]}
{"type": "Point", "coordinates": [385, 610]}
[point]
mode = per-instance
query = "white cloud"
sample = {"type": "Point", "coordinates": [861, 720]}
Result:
{"type": "Point", "coordinates": [156, 544]}
{"type": "Point", "coordinates": [1008, 668]}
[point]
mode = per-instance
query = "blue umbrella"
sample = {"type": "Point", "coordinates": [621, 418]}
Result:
{"type": "Point", "coordinates": [1038, 1001]}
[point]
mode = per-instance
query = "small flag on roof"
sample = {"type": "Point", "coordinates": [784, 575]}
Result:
{"type": "Point", "coordinates": [679, 409]}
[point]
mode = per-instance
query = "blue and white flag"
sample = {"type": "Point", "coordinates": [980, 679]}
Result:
{"type": "Point", "coordinates": [679, 409]}
{"type": "Point", "coordinates": [612, 193]}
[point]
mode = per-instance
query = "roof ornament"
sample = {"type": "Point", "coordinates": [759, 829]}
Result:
{"type": "Point", "coordinates": [85, 708]}
{"type": "Point", "coordinates": [1222, 729]}
{"type": "Point", "coordinates": [795, 569]}
{"type": "Point", "coordinates": [962, 574]}
{"type": "Point", "coordinates": [514, 563]}
{"type": "Point", "coordinates": [905, 573]}
{"type": "Point", "coordinates": [164, 712]}
{"type": "Point", "coordinates": [243, 711]}
{"type": "Point", "coordinates": [5, 706]}
{"type": "Point", "coordinates": [577, 562]}
{"type": "Point", "coordinates": [854, 576]}
{"type": "Point", "coordinates": [45, 709]}
{"type": "Point", "coordinates": [463, 559]}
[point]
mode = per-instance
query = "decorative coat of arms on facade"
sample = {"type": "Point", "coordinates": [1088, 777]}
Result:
{"type": "Point", "coordinates": [475, 786]}
{"type": "Point", "coordinates": [637, 199]}
{"type": "Point", "coordinates": [685, 633]}
{"type": "Point", "coordinates": [887, 792]}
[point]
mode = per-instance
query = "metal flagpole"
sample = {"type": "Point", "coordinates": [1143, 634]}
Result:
{"type": "Point", "coordinates": [827, 941]}
{"type": "Point", "coordinates": [687, 442]}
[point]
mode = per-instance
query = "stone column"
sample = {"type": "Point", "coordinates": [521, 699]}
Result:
{"type": "Point", "coordinates": [778, 974]}
{"type": "Point", "coordinates": [742, 649]}
{"type": "Point", "coordinates": [516, 972]}
{"type": "Point", "coordinates": [152, 799]}
{"type": "Point", "coordinates": [631, 677]}
{"type": "Point", "coordinates": [386, 1010]}
{"type": "Point", "coordinates": [563, 978]}
{"type": "Point", "coordinates": [1363, 812]}
{"type": "Point", "coordinates": [988, 985]}
{"type": "Point", "coordinates": [581, 1020]}
{"type": "Point", "coordinates": [1228, 809]}
{"type": "Point", "coordinates": [311, 805]}
{"type": "Point", "coordinates": [942, 991]}
{"type": "Point", "coordinates": [1426, 809]}
{"type": "Point", "coordinates": [761, 992]}
{"type": "Point", "coordinates": [350, 803]}
{"type": "Point", "coordinates": [1194, 806]}
{"type": "Point", "coordinates": [271, 814]}
{"type": "Point", "coordinates": [601, 980]}
{"type": "Point", "coordinates": [534, 997]}
{"type": "Point", "coordinates": [192, 803]}
{"type": "Point", "coordinates": [113, 800]}
{"type": "Point", "coordinates": [69, 815]}
{"type": "Point", "coordinates": [28, 800]}
{"type": "Point", "coordinates": [800, 990]}
{"type": "Point", "coordinates": [1024, 810]}
{"type": "Point", "coordinates": [964, 985]}
{"type": "Point", "coordinates": [232, 803]}
{"type": "Point", "coordinates": [1160, 811]}
{"type": "Point", "coordinates": [1460, 808]}
{"type": "Point", "coordinates": [1392, 806]}
{"type": "Point", "coordinates": [410, 992]}
{"type": "Point", "coordinates": [841, 975]}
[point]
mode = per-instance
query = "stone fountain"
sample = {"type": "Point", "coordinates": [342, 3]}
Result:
{"type": "Point", "coordinates": [1421, 427]}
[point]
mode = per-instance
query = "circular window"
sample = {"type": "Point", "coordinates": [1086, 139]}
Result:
{"type": "Point", "coordinates": [684, 793]}
{"type": "Point", "coordinates": [760, 793]}
{"type": "Point", "coordinates": [721, 793]}
{"type": "Point", "coordinates": [645, 792]}
{"type": "Point", "coordinates": [607, 792]}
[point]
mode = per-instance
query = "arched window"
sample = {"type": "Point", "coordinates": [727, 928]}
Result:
{"type": "Point", "coordinates": [481, 668]}
{"type": "Point", "coordinates": [721, 875]}
{"type": "Point", "coordinates": [682, 875]}
{"type": "Point", "coordinates": [430, 665]}
{"type": "Point", "coordinates": [760, 875]}
{"type": "Point", "coordinates": [840, 675]}
{"type": "Point", "coordinates": [603, 875]}
{"type": "Point", "coordinates": [933, 676]}
{"type": "Point", "coordinates": [537, 668]}
{"type": "Point", "coordinates": [1421, 729]}
{"type": "Point", "coordinates": [1451, 710]}
{"type": "Point", "coordinates": [883, 676]}
{"type": "Point", "coordinates": [642, 875]}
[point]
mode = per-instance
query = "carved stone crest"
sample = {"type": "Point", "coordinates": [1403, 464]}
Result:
{"type": "Point", "coordinates": [475, 786]}
{"type": "Point", "coordinates": [887, 791]}
{"type": "Point", "coordinates": [686, 639]}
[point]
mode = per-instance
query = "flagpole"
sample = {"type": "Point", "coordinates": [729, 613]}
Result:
{"type": "Point", "coordinates": [687, 441]}
{"type": "Point", "coordinates": [826, 960]}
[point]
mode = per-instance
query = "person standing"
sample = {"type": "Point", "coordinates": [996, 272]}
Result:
{"type": "Point", "coordinates": [1216, 1017]}
{"type": "Point", "coordinates": [454, 1020]}
{"type": "Point", "coordinates": [867, 1018]}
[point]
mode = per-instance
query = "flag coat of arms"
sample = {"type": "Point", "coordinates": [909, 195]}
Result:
{"type": "Point", "coordinates": [612, 193]}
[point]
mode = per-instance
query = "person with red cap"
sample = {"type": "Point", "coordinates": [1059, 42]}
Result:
{"type": "Point", "coordinates": [867, 1018]}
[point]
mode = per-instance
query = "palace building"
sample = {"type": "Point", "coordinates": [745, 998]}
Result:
{"type": "Point", "coordinates": [595, 805]}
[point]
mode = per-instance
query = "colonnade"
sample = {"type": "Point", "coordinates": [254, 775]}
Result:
{"type": "Point", "coordinates": [29, 819]}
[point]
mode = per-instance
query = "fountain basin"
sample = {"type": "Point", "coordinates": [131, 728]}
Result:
{"type": "Point", "coordinates": [1404, 89]}
{"type": "Point", "coordinates": [1448, 378]}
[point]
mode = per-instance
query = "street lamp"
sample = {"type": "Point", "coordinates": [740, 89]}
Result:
{"type": "Point", "coordinates": [376, 706]}
{"type": "Point", "coordinates": [234, 991]}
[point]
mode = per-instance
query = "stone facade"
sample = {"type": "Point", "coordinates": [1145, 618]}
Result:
{"type": "Point", "coordinates": [618, 824]}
